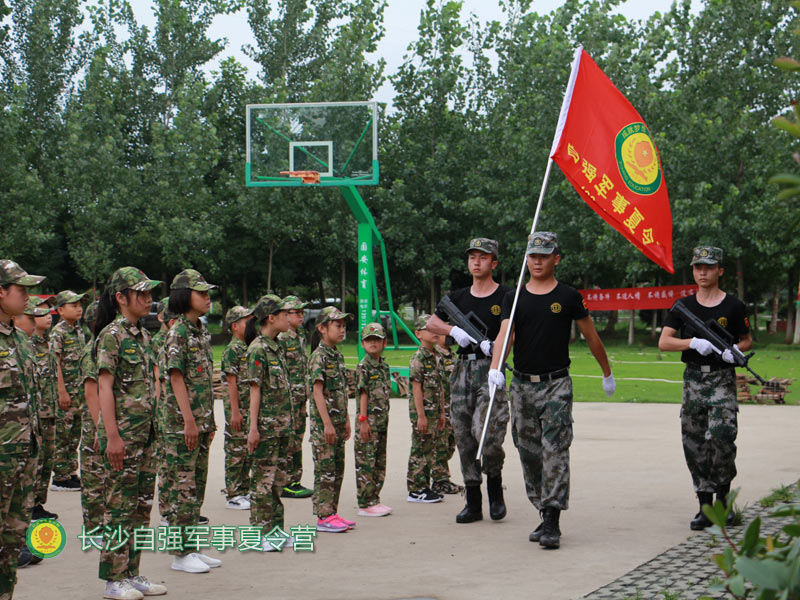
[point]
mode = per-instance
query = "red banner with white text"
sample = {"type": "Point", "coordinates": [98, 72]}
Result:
{"type": "Point", "coordinates": [641, 298]}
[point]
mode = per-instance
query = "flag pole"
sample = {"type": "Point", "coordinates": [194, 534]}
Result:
{"type": "Point", "coordinates": [556, 139]}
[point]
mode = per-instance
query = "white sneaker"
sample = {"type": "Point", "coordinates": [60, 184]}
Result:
{"type": "Point", "coordinates": [238, 503]}
{"type": "Point", "coordinates": [121, 589]}
{"type": "Point", "coordinates": [213, 563]}
{"type": "Point", "coordinates": [267, 547]}
{"type": "Point", "coordinates": [147, 587]}
{"type": "Point", "coordinates": [189, 563]}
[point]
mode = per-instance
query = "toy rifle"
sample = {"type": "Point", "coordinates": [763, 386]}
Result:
{"type": "Point", "coordinates": [715, 333]}
{"type": "Point", "coordinates": [470, 322]}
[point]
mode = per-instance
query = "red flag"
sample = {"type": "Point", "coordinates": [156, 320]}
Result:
{"type": "Point", "coordinates": [605, 150]}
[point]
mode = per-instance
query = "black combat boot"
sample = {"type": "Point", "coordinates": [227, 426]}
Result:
{"type": "Point", "coordinates": [551, 533]}
{"type": "Point", "coordinates": [497, 506]}
{"type": "Point", "coordinates": [473, 510]}
{"type": "Point", "coordinates": [722, 496]}
{"type": "Point", "coordinates": [700, 520]}
{"type": "Point", "coordinates": [536, 534]}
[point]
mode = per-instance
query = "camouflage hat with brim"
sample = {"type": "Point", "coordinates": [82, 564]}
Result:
{"type": "Point", "coordinates": [421, 322]}
{"type": "Point", "coordinates": [268, 304]}
{"type": "Point", "coordinates": [192, 280]}
{"type": "Point", "coordinates": [294, 303]}
{"type": "Point", "coordinates": [68, 297]}
{"type": "Point", "coordinates": [11, 272]}
{"type": "Point", "coordinates": [706, 255]}
{"type": "Point", "coordinates": [90, 314]}
{"type": "Point", "coordinates": [332, 313]}
{"type": "Point", "coordinates": [166, 314]}
{"type": "Point", "coordinates": [237, 313]}
{"type": "Point", "coordinates": [484, 245]}
{"type": "Point", "coordinates": [542, 242]}
{"type": "Point", "coordinates": [39, 300]}
{"type": "Point", "coordinates": [32, 309]}
{"type": "Point", "coordinates": [373, 330]}
{"type": "Point", "coordinates": [131, 278]}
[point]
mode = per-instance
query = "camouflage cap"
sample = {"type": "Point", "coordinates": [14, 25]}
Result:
{"type": "Point", "coordinates": [34, 308]}
{"type": "Point", "coordinates": [39, 300]}
{"type": "Point", "coordinates": [706, 255]}
{"type": "Point", "coordinates": [131, 278]}
{"type": "Point", "coordinates": [331, 313]}
{"type": "Point", "coordinates": [166, 314]}
{"type": "Point", "coordinates": [90, 314]}
{"type": "Point", "coordinates": [11, 272]}
{"type": "Point", "coordinates": [421, 322]}
{"type": "Point", "coordinates": [542, 242]}
{"type": "Point", "coordinates": [373, 330]}
{"type": "Point", "coordinates": [484, 245]}
{"type": "Point", "coordinates": [268, 305]}
{"type": "Point", "coordinates": [191, 279]}
{"type": "Point", "coordinates": [237, 313]}
{"type": "Point", "coordinates": [294, 303]}
{"type": "Point", "coordinates": [67, 297]}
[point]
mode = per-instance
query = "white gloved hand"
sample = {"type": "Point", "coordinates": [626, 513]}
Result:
{"type": "Point", "coordinates": [703, 347]}
{"type": "Point", "coordinates": [609, 385]}
{"type": "Point", "coordinates": [497, 378]}
{"type": "Point", "coordinates": [461, 337]}
{"type": "Point", "coordinates": [727, 355]}
{"type": "Point", "coordinates": [486, 347]}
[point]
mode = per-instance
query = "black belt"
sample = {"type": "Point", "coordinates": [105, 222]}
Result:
{"type": "Point", "coordinates": [541, 377]}
{"type": "Point", "coordinates": [707, 368]}
{"type": "Point", "coordinates": [473, 356]}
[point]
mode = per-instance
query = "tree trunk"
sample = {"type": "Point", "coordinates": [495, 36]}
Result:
{"type": "Point", "coordinates": [344, 283]}
{"type": "Point", "coordinates": [790, 311]}
{"type": "Point", "coordinates": [776, 300]}
{"type": "Point", "coordinates": [613, 317]}
{"type": "Point", "coordinates": [321, 291]}
{"type": "Point", "coordinates": [433, 294]}
{"type": "Point", "coordinates": [164, 285]}
{"type": "Point", "coordinates": [653, 325]}
{"type": "Point", "coordinates": [796, 339]}
{"type": "Point", "coordinates": [245, 301]}
{"type": "Point", "coordinates": [631, 327]}
{"type": "Point", "coordinates": [223, 297]}
{"type": "Point", "coordinates": [269, 268]}
{"type": "Point", "coordinates": [739, 279]}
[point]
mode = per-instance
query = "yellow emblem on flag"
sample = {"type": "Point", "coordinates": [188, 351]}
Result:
{"type": "Point", "coordinates": [637, 159]}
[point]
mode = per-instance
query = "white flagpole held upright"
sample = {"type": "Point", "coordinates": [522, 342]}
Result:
{"type": "Point", "coordinates": [556, 140]}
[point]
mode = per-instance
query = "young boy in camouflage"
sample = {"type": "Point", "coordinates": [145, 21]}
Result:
{"type": "Point", "coordinates": [541, 390]}
{"type": "Point", "coordinates": [18, 422]}
{"type": "Point", "coordinates": [67, 343]}
{"type": "Point", "coordinates": [236, 402]}
{"type": "Point", "coordinates": [294, 348]}
{"type": "Point", "coordinates": [167, 319]}
{"type": "Point", "coordinates": [374, 388]}
{"type": "Point", "coordinates": [709, 409]}
{"type": "Point", "coordinates": [445, 445]}
{"type": "Point", "coordinates": [426, 411]}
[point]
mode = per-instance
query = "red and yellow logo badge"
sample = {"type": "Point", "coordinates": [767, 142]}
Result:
{"type": "Point", "coordinates": [637, 159]}
{"type": "Point", "coordinates": [46, 538]}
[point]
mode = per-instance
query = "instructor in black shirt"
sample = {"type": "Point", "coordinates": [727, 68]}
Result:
{"type": "Point", "coordinates": [469, 397]}
{"type": "Point", "coordinates": [541, 390]}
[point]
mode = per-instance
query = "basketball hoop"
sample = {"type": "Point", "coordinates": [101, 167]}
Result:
{"type": "Point", "coordinates": [306, 176]}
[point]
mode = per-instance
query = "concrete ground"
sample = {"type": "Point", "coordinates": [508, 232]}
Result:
{"type": "Point", "coordinates": [631, 500]}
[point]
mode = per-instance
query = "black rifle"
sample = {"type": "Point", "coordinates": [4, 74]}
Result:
{"type": "Point", "coordinates": [715, 333]}
{"type": "Point", "coordinates": [471, 323]}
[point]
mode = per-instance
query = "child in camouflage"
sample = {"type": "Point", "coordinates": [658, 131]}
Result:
{"type": "Point", "coordinates": [445, 445]}
{"type": "Point", "coordinates": [330, 427]}
{"type": "Point", "coordinates": [425, 407]}
{"type": "Point", "coordinates": [374, 387]}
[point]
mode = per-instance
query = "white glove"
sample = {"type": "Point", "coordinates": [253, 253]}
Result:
{"type": "Point", "coordinates": [497, 378]}
{"type": "Point", "coordinates": [486, 347]}
{"type": "Point", "coordinates": [609, 385]}
{"type": "Point", "coordinates": [727, 355]}
{"type": "Point", "coordinates": [703, 347]}
{"type": "Point", "coordinates": [461, 337]}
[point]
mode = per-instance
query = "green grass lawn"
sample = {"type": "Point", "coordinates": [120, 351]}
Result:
{"type": "Point", "coordinates": [629, 363]}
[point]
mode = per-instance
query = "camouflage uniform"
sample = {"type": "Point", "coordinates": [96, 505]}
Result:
{"type": "Point", "coordinates": [372, 377]}
{"type": "Point", "coordinates": [327, 366]}
{"type": "Point", "coordinates": [267, 368]}
{"type": "Point", "coordinates": [161, 450]}
{"type": "Point", "coordinates": [425, 369]}
{"type": "Point", "coordinates": [445, 445]}
{"type": "Point", "coordinates": [18, 443]}
{"type": "Point", "coordinates": [237, 460]}
{"type": "Point", "coordinates": [124, 350]}
{"type": "Point", "coordinates": [46, 380]}
{"type": "Point", "coordinates": [92, 470]}
{"type": "Point", "coordinates": [67, 344]}
{"type": "Point", "coordinates": [294, 348]}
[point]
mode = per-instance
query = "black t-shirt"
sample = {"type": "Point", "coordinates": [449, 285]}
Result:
{"type": "Point", "coordinates": [486, 309]}
{"type": "Point", "coordinates": [542, 326]}
{"type": "Point", "coordinates": [730, 313]}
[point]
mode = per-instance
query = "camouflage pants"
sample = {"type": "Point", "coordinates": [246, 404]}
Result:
{"type": "Point", "coordinates": [443, 449]}
{"type": "Point", "coordinates": [709, 427]}
{"type": "Point", "coordinates": [92, 476]}
{"type": "Point", "coordinates": [237, 462]}
{"type": "Point", "coordinates": [161, 468]}
{"type": "Point", "coordinates": [269, 478]}
{"type": "Point", "coordinates": [541, 426]}
{"type": "Point", "coordinates": [16, 502]}
{"type": "Point", "coordinates": [469, 401]}
{"type": "Point", "coordinates": [47, 456]}
{"type": "Point", "coordinates": [299, 418]}
{"type": "Point", "coordinates": [370, 467]}
{"type": "Point", "coordinates": [185, 479]}
{"type": "Point", "coordinates": [328, 470]}
{"type": "Point", "coordinates": [128, 496]}
{"type": "Point", "coordinates": [420, 459]}
{"type": "Point", "coordinates": [68, 437]}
